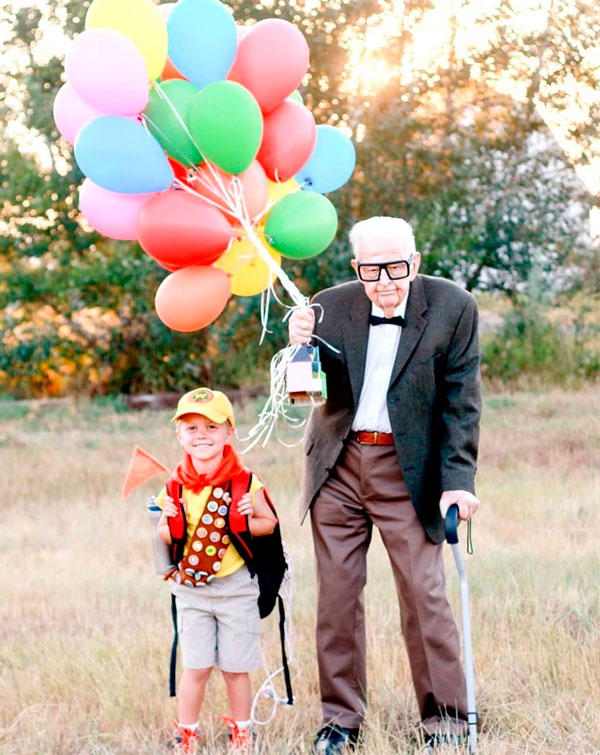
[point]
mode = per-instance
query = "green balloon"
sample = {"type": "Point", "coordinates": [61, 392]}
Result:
{"type": "Point", "coordinates": [295, 95]}
{"type": "Point", "coordinates": [301, 224]}
{"type": "Point", "coordinates": [226, 123]}
{"type": "Point", "coordinates": [166, 116]}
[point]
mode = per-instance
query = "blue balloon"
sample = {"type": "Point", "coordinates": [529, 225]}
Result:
{"type": "Point", "coordinates": [120, 155]}
{"type": "Point", "coordinates": [202, 40]}
{"type": "Point", "coordinates": [331, 163]}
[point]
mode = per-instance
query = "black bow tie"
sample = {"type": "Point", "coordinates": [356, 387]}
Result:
{"type": "Point", "coordinates": [398, 320]}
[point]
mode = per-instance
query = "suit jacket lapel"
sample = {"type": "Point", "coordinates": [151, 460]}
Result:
{"type": "Point", "coordinates": [414, 328]}
{"type": "Point", "coordinates": [356, 336]}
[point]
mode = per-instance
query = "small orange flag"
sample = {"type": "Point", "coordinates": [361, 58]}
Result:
{"type": "Point", "coordinates": [142, 467]}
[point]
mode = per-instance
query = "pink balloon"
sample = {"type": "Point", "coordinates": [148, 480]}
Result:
{"type": "Point", "coordinates": [71, 112]}
{"type": "Point", "coordinates": [111, 214]}
{"type": "Point", "coordinates": [108, 72]}
{"type": "Point", "coordinates": [289, 138]}
{"type": "Point", "coordinates": [271, 61]}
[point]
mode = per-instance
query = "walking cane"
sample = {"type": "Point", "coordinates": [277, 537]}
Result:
{"type": "Point", "coordinates": [452, 538]}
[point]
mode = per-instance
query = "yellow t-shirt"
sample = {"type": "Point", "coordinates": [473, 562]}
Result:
{"type": "Point", "coordinates": [194, 508]}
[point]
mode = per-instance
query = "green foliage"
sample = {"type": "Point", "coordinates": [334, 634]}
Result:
{"type": "Point", "coordinates": [488, 190]}
{"type": "Point", "coordinates": [535, 347]}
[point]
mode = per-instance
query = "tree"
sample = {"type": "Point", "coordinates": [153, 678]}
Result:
{"type": "Point", "coordinates": [489, 191]}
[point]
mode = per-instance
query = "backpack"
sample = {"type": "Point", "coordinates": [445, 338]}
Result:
{"type": "Point", "coordinates": [264, 556]}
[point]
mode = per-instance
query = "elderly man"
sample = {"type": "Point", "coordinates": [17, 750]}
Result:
{"type": "Point", "coordinates": [394, 446]}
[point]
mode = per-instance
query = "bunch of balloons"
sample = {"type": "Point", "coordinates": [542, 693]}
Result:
{"type": "Point", "coordinates": [194, 141]}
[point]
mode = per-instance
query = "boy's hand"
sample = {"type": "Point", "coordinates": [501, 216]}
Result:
{"type": "Point", "coordinates": [245, 506]}
{"type": "Point", "coordinates": [170, 509]}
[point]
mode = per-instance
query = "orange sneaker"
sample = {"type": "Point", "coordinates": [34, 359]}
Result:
{"type": "Point", "coordinates": [240, 740]}
{"type": "Point", "coordinates": [184, 740]}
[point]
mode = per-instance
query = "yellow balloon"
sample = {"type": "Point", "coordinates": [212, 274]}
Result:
{"type": "Point", "coordinates": [141, 21]}
{"type": "Point", "coordinates": [249, 274]}
{"type": "Point", "coordinates": [279, 190]}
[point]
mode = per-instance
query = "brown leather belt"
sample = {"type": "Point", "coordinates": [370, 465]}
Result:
{"type": "Point", "coordinates": [370, 438]}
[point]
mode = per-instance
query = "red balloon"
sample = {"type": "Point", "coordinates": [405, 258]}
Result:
{"type": "Point", "coordinates": [271, 60]}
{"type": "Point", "coordinates": [289, 138]}
{"type": "Point", "coordinates": [179, 229]}
{"type": "Point", "coordinates": [192, 298]}
{"type": "Point", "coordinates": [179, 171]}
{"type": "Point", "coordinates": [166, 266]}
{"type": "Point", "coordinates": [255, 188]}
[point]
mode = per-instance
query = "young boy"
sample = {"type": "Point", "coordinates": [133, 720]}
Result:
{"type": "Point", "coordinates": [218, 616]}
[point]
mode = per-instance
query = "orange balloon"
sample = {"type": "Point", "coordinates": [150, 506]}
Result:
{"type": "Point", "coordinates": [170, 72]}
{"type": "Point", "coordinates": [191, 298]}
{"type": "Point", "coordinates": [255, 188]}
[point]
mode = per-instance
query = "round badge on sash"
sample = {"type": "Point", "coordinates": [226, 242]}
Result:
{"type": "Point", "coordinates": [218, 492]}
{"type": "Point", "coordinates": [207, 519]}
{"type": "Point", "coordinates": [212, 506]}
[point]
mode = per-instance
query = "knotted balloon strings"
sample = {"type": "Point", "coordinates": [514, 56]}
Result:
{"type": "Point", "coordinates": [267, 689]}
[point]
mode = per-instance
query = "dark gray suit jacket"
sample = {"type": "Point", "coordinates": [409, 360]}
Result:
{"type": "Point", "coordinates": [433, 398]}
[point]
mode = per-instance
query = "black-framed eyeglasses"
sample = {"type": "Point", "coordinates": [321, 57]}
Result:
{"type": "Point", "coordinates": [396, 270]}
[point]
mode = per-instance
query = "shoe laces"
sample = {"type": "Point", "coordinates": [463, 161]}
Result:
{"type": "Point", "coordinates": [184, 739]}
{"type": "Point", "coordinates": [240, 740]}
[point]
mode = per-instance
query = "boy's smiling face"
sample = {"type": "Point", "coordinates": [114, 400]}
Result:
{"type": "Point", "coordinates": [202, 438]}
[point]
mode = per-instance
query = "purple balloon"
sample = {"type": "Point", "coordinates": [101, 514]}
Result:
{"type": "Point", "coordinates": [108, 71]}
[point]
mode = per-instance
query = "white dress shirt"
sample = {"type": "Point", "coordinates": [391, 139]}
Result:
{"type": "Point", "coordinates": [372, 412]}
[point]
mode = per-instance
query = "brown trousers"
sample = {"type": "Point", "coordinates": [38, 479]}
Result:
{"type": "Point", "coordinates": [365, 488]}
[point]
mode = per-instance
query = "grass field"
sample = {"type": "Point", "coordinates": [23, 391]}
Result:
{"type": "Point", "coordinates": [85, 625]}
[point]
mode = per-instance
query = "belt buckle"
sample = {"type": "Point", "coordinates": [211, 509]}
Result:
{"type": "Point", "coordinates": [376, 434]}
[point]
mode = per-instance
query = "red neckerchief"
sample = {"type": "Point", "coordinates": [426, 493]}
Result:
{"type": "Point", "coordinates": [187, 475]}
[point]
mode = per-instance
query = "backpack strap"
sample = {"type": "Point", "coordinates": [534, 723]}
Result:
{"type": "Point", "coordinates": [177, 524]}
{"type": "Point", "coordinates": [173, 661]}
{"type": "Point", "coordinates": [240, 485]}
{"type": "Point", "coordinates": [178, 531]}
{"type": "Point", "coordinates": [284, 660]}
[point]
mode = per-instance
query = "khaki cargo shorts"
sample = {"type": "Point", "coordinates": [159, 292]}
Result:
{"type": "Point", "coordinates": [219, 623]}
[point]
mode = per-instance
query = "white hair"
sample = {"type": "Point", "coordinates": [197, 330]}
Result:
{"type": "Point", "coordinates": [383, 226]}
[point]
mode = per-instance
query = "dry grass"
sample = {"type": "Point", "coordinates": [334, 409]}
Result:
{"type": "Point", "coordinates": [85, 625]}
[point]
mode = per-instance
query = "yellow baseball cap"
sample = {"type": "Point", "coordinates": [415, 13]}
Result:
{"type": "Point", "coordinates": [212, 404]}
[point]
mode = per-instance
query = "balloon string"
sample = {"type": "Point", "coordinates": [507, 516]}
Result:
{"type": "Point", "coordinates": [162, 94]}
{"type": "Point", "coordinates": [237, 203]}
{"type": "Point", "coordinates": [276, 405]}
{"type": "Point", "coordinates": [297, 297]}
{"type": "Point", "coordinates": [265, 300]}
